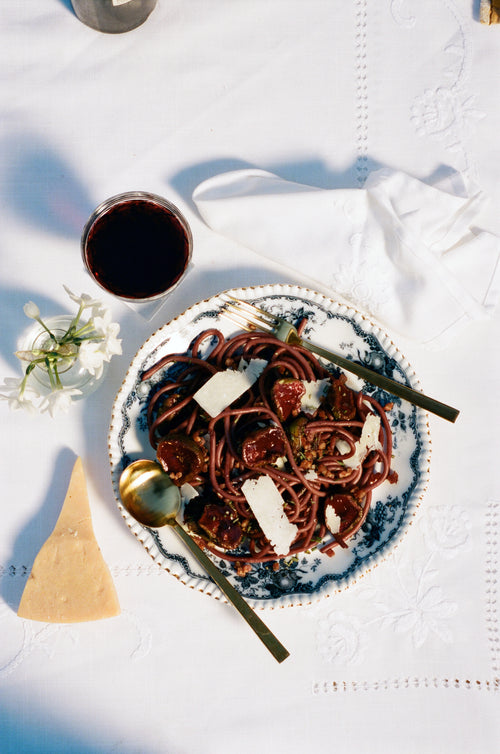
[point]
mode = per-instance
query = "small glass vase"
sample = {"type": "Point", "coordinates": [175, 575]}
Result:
{"type": "Point", "coordinates": [71, 373]}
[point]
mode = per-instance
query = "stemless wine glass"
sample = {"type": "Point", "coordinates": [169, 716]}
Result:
{"type": "Point", "coordinates": [137, 246]}
{"type": "Point", "coordinates": [113, 16]}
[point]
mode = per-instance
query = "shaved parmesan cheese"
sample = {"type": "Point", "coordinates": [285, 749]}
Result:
{"type": "Point", "coordinates": [253, 368]}
{"type": "Point", "coordinates": [266, 503]}
{"type": "Point", "coordinates": [223, 388]}
{"type": "Point", "coordinates": [342, 446]}
{"type": "Point", "coordinates": [367, 442]}
{"type": "Point", "coordinates": [188, 492]}
{"type": "Point", "coordinates": [332, 519]}
{"type": "Point", "coordinates": [315, 391]}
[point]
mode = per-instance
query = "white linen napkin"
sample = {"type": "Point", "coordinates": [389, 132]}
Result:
{"type": "Point", "coordinates": [400, 249]}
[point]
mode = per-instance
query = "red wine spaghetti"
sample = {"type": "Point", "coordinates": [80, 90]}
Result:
{"type": "Point", "coordinates": [314, 458]}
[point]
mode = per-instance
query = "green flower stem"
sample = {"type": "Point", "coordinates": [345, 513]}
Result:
{"type": "Point", "coordinates": [22, 387]}
{"type": "Point", "coordinates": [76, 318]}
{"type": "Point", "coordinates": [56, 375]}
{"type": "Point", "coordinates": [42, 323]}
{"type": "Point", "coordinates": [92, 336]}
{"type": "Point", "coordinates": [73, 335]}
{"type": "Point", "coordinates": [49, 371]}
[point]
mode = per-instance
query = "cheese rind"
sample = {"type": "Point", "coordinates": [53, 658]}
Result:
{"type": "Point", "coordinates": [69, 581]}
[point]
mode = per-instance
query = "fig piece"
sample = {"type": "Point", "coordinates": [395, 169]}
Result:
{"type": "Point", "coordinates": [181, 457]}
{"type": "Point", "coordinates": [263, 446]}
{"type": "Point", "coordinates": [286, 395]}
{"type": "Point", "coordinates": [221, 524]}
{"type": "Point", "coordinates": [346, 507]}
{"type": "Point", "coordinates": [341, 400]}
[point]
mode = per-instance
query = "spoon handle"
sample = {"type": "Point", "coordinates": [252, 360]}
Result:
{"type": "Point", "coordinates": [265, 635]}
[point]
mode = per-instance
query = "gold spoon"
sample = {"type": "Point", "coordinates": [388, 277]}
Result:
{"type": "Point", "coordinates": [150, 496]}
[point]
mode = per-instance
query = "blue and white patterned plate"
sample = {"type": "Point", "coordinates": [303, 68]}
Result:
{"type": "Point", "coordinates": [307, 577]}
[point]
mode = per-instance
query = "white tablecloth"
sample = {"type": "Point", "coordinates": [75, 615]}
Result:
{"type": "Point", "coordinates": [319, 92]}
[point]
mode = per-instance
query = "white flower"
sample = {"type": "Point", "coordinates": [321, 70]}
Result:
{"type": "Point", "coordinates": [85, 301]}
{"type": "Point", "coordinates": [104, 326]}
{"type": "Point", "coordinates": [91, 341]}
{"type": "Point", "coordinates": [92, 357]}
{"type": "Point", "coordinates": [31, 310]}
{"type": "Point", "coordinates": [94, 352]}
{"type": "Point", "coordinates": [19, 397]}
{"type": "Point", "coordinates": [59, 401]}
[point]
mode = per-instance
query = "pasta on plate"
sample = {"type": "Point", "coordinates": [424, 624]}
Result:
{"type": "Point", "coordinates": [324, 446]}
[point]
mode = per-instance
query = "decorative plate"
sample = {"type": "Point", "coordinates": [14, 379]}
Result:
{"type": "Point", "coordinates": [312, 575]}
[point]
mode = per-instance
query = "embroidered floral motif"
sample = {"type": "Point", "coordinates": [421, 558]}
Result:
{"type": "Point", "coordinates": [446, 530]}
{"type": "Point", "coordinates": [363, 279]}
{"type": "Point", "coordinates": [417, 606]}
{"type": "Point", "coordinates": [446, 115]}
{"type": "Point", "coordinates": [446, 112]}
{"type": "Point", "coordinates": [35, 636]}
{"type": "Point", "coordinates": [341, 638]}
{"type": "Point", "coordinates": [144, 637]}
{"type": "Point", "coordinates": [401, 15]}
{"type": "Point", "coordinates": [52, 639]}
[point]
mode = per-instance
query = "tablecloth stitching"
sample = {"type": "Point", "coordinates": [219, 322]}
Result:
{"type": "Point", "coordinates": [321, 688]}
{"type": "Point", "coordinates": [491, 531]}
{"type": "Point", "coordinates": [360, 38]}
{"type": "Point", "coordinates": [491, 580]}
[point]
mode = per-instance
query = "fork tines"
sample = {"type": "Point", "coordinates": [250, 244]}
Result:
{"type": "Point", "coordinates": [247, 316]}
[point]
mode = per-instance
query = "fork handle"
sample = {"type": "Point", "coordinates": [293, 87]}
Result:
{"type": "Point", "coordinates": [393, 387]}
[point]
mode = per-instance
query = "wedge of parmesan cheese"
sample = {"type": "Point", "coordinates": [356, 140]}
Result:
{"type": "Point", "coordinates": [223, 388]}
{"type": "Point", "coordinates": [367, 442]}
{"type": "Point", "coordinates": [267, 505]}
{"type": "Point", "coordinates": [69, 581]}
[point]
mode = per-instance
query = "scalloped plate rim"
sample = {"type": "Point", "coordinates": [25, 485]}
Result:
{"type": "Point", "coordinates": [329, 588]}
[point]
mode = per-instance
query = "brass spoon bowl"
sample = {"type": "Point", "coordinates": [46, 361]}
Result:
{"type": "Point", "coordinates": [150, 497]}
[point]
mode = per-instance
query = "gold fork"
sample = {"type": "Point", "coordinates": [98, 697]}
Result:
{"type": "Point", "coordinates": [251, 318]}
